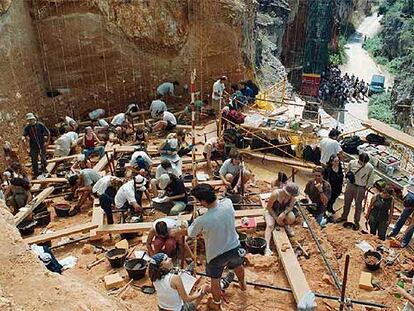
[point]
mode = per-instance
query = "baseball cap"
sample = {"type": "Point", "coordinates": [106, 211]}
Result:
{"type": "Point", "coordinates": [164, 181]}
{"type": "Point", "coordinates": [30, 116]}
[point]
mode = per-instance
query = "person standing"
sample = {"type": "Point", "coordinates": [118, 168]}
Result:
{"type": "Point", "coordinates": [334, 175]}
{"type": "Point", "coordinates": [318, 192]}
{"type": "Point", "coordinates": [405, 215]}
{"type": "Point", "coordinates": [359, 175]}
{"type": "Point", "coordinates": [218, 90]}
{"type": "Point", "coordinates": [221, 239]}
{"type": "Point", "coordinates": [380, 212]}
{"type": "Point", "coordinates": [39, 137]}
{"type": "Point", "coordinates": [330, 146]}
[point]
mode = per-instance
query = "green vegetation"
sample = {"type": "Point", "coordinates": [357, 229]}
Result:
{"type": "Point", "coordinates": [339, 56]}
{"type": "Point", "coordinates": [380, 108]}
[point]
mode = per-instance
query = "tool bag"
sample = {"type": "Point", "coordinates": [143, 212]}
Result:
{"type": "Point", "coordinates": [350, 145]}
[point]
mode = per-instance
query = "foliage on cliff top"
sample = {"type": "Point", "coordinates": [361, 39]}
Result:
{"type": "Point", "coordinates": [380, 108]}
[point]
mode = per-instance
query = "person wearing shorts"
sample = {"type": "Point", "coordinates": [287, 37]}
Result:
{"type": "Point", "coordinates": [221, 239]}
{"type": "Point", "coordinates": [279, 211]}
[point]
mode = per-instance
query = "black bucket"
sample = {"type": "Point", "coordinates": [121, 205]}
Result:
{"type": "Point", "coordinates": [62, 209]}
{"type": "Point", "coordinates": [242, 239]}
{"type": "Point", "coordinates": [372, 260]}
{"type": "Point", "coordinates": [116, 257]}
{"type": "Point", "coordinates": [256, 245]}
{"type": "Point", "coordinates": [42, 207]}
{"type": "Point", "coordinates": [188, 178]}
{"type": "Point", "coordinates": [26, 227]}
{"type": "Point", "coordinates": [43, 218]}
{"type": "Point", "coordinates": [135, 268]}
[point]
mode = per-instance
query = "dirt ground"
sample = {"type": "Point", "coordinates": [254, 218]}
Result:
{"type": "Point", "coordinates": [336, 241]}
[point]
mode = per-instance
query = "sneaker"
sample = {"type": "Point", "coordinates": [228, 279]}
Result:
{"type": "Point", "coordinates": [226, 281]}
{"type": "Point", "coordinates": [289, 231]}
{"type": "Point", "coordinates": [268, 252]}
{"type": "Point", "coordinates": [355, 227]}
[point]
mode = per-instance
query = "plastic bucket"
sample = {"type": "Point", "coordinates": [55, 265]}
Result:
{"type": "Point", "coordinates": [135, 268]}
{"type": "Point", "coordinates": [26, 227]}
{"type": "Point", "coordinates": [116, 257]}
{"type": "Point", "coordinates": [256, 245]}
{"type": "Point", "coordinates": [62, 209]}
{"type": "Point", "coordinates": [372, 260]}
{"type": "Point", "coordinates": [43, 218]}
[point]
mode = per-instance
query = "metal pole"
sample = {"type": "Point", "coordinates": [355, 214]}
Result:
{"type": "Point", "coordinates": [193, 156]}
{"type": "Point", "coordinates": [345, 280]}
{"type": "Point", "coordinates": [321, 251]}
{"type": "Point", "coordinates": [319, 295]}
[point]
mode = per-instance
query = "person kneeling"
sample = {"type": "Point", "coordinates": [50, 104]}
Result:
{"type": "Point", "coordinates": [169, 286]}
{"type": "Point", "coordinates": [161, 238]}
{"type": "Point", "coordinates": [230, 172]}
{"type": "Point", "coordinates": [279, 211]}
{"type": "Point", "coordinates": [175, 198]}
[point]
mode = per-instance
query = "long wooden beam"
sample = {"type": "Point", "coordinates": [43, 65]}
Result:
{"type": "Point", "coordinates": [52, 180]}
{"type": "Point", "coordinates": [61, 159]}
{"type": "Point", "coordinates": [294, 273]}
{"type": "Point", "coordinates": [28, 209]}
{"type": "Point", "coordinates": [288, 161]}
{"type": "Point", "coordinates": [60, 233]}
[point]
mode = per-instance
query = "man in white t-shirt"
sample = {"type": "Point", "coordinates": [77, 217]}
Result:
{"type": "Point", "coordinates": [65, 143]}
{"type": "Point", "coordinates": [165, 167]}
{"type": "Point", "coordinates": [213, 150]}
{"type": "Point", "coordinates": [129, 196]}
{"type": "Point", "coordinates": [330, 146]}
{"type": "Point", "coordinates": [157, 107]}
{"type": "Point", "coordinates": [167, 88]}
{"type": "Point", "coordinates": [105, 190]}
{"type": "Point", "coordinates": [218, 90]}
{"type": "Point", "coordinates": [167, 123]}
{"type": "Point", "coordinates": [141, 160]}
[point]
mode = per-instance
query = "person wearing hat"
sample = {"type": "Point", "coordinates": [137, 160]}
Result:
{"type": "Point", "coordinates": [175, 199]}
{"type": "Point", "coordinates": [39, 137]}
{"type": "Point", "coordinates": [169, 150]}
{"type": "Point", "coordinates": [92, 144]}
{"type": "Point", "coordinates": [170, 288]}
{"type": "Point", "coordinates": [129, 195]}
{"type": "Point", "coordinates": [164, 167]}
{"type": "Point", "coordinates": [279, 209]}
{"type": "Point", "coordinates": [82, 184]}
{"type": "Point", "coordinates": [105, 189]}
{"type": "Point", "coordinates": [218, 91]}
{"type": "Point", "coordinates": [222, 243]}
{"type": "Point", "coordinates": [318, 191]}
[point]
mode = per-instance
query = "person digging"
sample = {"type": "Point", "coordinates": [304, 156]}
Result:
{"type": "Point", "coordinates": [82, 185]}
{"type": "Point", "coordinates": [279, 211]}
{"type": "Point", "coordinates": [221, 240]}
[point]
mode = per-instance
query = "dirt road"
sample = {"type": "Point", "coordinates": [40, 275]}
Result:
{"type": "Point", "coordinates": [363, 66]}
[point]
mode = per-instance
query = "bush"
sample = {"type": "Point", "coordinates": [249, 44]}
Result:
{"type": "Point", "coordinates": [380, 108]}
{"type": "Point", "coordinates": [394, 66]}
{"type": "Point", "coordinates": [339, 56]}
{"type": "Point", "coordinates": [374, 46]}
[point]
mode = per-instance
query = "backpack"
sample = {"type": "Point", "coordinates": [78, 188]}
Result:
{"type": "Point", "coordinates": [375, 139]}
{"type": "Point", "coordinates": [235, 116]}
{"type": "Point", "coordinates": [231, 136]}
{"type": "Point", "coordinates": [350, 145]}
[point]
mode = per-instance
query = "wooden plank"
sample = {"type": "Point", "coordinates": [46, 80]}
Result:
{"type": "Point", "coordinates": [98, 218]}
{"type": "Point", "coordinates": [213, 183]}
{"type": "Point", "coordinates": [60, 233]}
{"type": "Point", "coordinates": [146, 226]}
{"type": "Point", "coordinates": [288, 161]}
{"type": "Point", "coordinates": [61, 159]}
{"type": "Point", "coordinates": [277, 130]}
{"type": "Point", "coordinates": [390, 132]}
{"type": "Point", "coordinates": [28, 209]}
{"type": "Point", "coordinates": [53, 180]}
{"type": "Point", "coordinates": [294, 273]}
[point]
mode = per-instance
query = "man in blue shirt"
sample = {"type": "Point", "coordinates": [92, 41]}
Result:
{"type": "Point", "coordinates": [39, 136]}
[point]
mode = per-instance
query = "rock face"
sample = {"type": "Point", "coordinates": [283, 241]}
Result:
{"type": "Point", "coordinates": [25, 284]}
